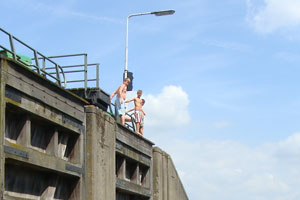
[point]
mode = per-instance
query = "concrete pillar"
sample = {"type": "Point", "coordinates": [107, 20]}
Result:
{"type": "Point", "coordinates": [166, 182]}
{"type": "Point", "coordinates": [100, 155]}
{"type": "Point", "coordinates": [3, 63]}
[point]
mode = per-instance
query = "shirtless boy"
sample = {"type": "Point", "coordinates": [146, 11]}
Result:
{"type": "Point", "coordinates": [139, 113]}
{"type": "Point", "coordinates": [142, 120]}
{"type": "Point", "coordinates": [120, 100]}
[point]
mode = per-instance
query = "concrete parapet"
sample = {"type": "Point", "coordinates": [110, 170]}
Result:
{"type": "Point", "coordinates": [166, 182]}
{"type": "Point", "coordinates": [100, 155]}
{"type": "Point", "coordinates": [42, 137]}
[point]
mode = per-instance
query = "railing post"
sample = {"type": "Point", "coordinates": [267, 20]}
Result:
{"type": "Point", "coordinates": [97, 76]}
{"type": "Point", "coordinates": [44, 64]}
{"type": "Point", "coordinates": [37, 61]}
{"type": "Point", "coordinates": [57, 75]}
{"type": "Point", "coordinates": [85, 74]}
{"type": "Point", "coordinates": [11, 38]}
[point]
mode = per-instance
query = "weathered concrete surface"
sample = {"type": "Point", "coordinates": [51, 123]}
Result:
{"type": "Point", "coordinates": [135, 141]}
{"type": "Point", "coordinates": [36, 86]}
{"type": "Point", "coordinates": [166, 182]}
{"type": "Point", "coordinates": [100, 155]}
{"type": "Point", "coordinates": [2, 124]}
{"type": "Point", "coordinates": [43, 110]}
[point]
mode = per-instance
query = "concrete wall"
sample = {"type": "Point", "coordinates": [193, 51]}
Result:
{"type": "Point", "coordinates": [62, 147]}
{"type": "Point", "coordinates": [2, 125]}
{"type": "Point", "coordinates": [166, 182]}
{"type": "Point", "coordinates": [134, 165]}
{"type": "Point", "coordinates": [100, 155]}
{"type": "Point", "coordinates": [42, 137]}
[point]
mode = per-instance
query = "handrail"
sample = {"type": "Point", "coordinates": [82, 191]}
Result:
{"type": "Point", "coordinates": [130, 126]}
{"type": "Point", "coordinates": [54, 72]}
{"type": "Point", "coordinates": [37, 54]}
{"type": "Point", "coordinates": [85, 66]}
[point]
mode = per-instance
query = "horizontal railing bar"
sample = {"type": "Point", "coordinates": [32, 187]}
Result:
{"type": "Point", "coordinates": [45, 73]}
{"type": "Point", "coordinates": [57, 68]}
{"type": "Point", "coordinates": [69, 71]}
{"type": "Point", "coordinates": [5, 49]}
{"type": "Point", "coordinates": [70, 66]}
{"type": "Point", "coordinates": [68, 55]}
{"type": "Point", "coordinates": [81, 80]}
{"type": "Point", "coordinates": [74, 81]}
{"type": "Point", "coordinates": [74, 71]}
{"type": "Point", "coordinates": [36, 68]}
{"type": "Point", "coordinates": [18, 59]}
{"type": "Point", "coordinates": [4, 31]}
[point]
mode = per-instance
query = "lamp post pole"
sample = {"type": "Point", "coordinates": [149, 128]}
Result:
{"type": "Point", "coordinates": [156, 13]}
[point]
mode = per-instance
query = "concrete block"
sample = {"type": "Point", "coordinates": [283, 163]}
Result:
{"type": "Point", "coordinates": [166, 182]}
{"type": "Point", "coordinates": [100, 155]}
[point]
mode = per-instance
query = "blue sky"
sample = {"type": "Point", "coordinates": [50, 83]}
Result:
{"type": "Point", "coordinates": [220, 79]}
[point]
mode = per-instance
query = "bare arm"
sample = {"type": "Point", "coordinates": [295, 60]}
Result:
{"type": "Point", "coordinates": [143, 112]}
{"type": "Point", "coordinates": [118, 92]}
{"type": "Point", "coordinates": [113, 94]}
{"type": "Point", "coordinates": [129, 100]}
{"type": "Point", "coordinates": [130, 110]}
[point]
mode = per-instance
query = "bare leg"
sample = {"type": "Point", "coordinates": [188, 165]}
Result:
{"type": "Point", "coordinates": [127, 119]}
{"type": "Point", "coordinates": [141, 130]}
{"type": "Point", "coordinates": [122, 119]}
{"type": "Point", "coordinates": [137, 127]}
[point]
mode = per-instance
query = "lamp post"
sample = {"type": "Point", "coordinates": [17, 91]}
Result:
{"type": "Point", "coordinates": [156, 13]}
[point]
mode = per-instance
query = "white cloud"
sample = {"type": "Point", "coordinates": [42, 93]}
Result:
{"type": "Point", "coordinates": [230, 170]}
{"type": "Point", "coordinates": [167, 109]}
{"type": "Point", "coordinates": [271, 15]}
{"type": "Point", "coordinates": [167, 113]}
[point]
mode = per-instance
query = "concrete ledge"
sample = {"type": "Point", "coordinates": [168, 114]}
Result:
{"type": "Point", "coordinates": [42, 110]}
{"type": "Point", "coordinates": [131, 153]}
{"type": "Point", "coordinates": [40, 159]}
{"type": "Point", "coordinates": [39, 78]}
{"type": "Point", "coordinates": [91, 109]}
{"type": "Point", "coordinates": [135, 141]}
{"type": "Point", "coordinates": [132, 188]}
{"type": "Point", "coordinates": [42, 91]}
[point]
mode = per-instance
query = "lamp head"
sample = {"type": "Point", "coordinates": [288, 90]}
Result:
{"type": "Point", "coordinates": [164, 12]}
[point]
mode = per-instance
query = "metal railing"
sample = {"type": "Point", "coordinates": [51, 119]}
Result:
{"type": "Point", "coordinates": [42, 71]}
{"type": "Point", "coordinates": [84, 69]}
{"type": "Point", "coordinates": [127, 124]}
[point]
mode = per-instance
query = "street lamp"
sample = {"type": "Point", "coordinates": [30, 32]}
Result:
{"type": "Point", "coordinates": [156, 13]}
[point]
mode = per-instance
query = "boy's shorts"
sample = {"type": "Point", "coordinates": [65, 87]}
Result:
{"type": "Point", "coordinates": [120, 107]}
{"type": "Point", "coordinates": [139, 117]}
